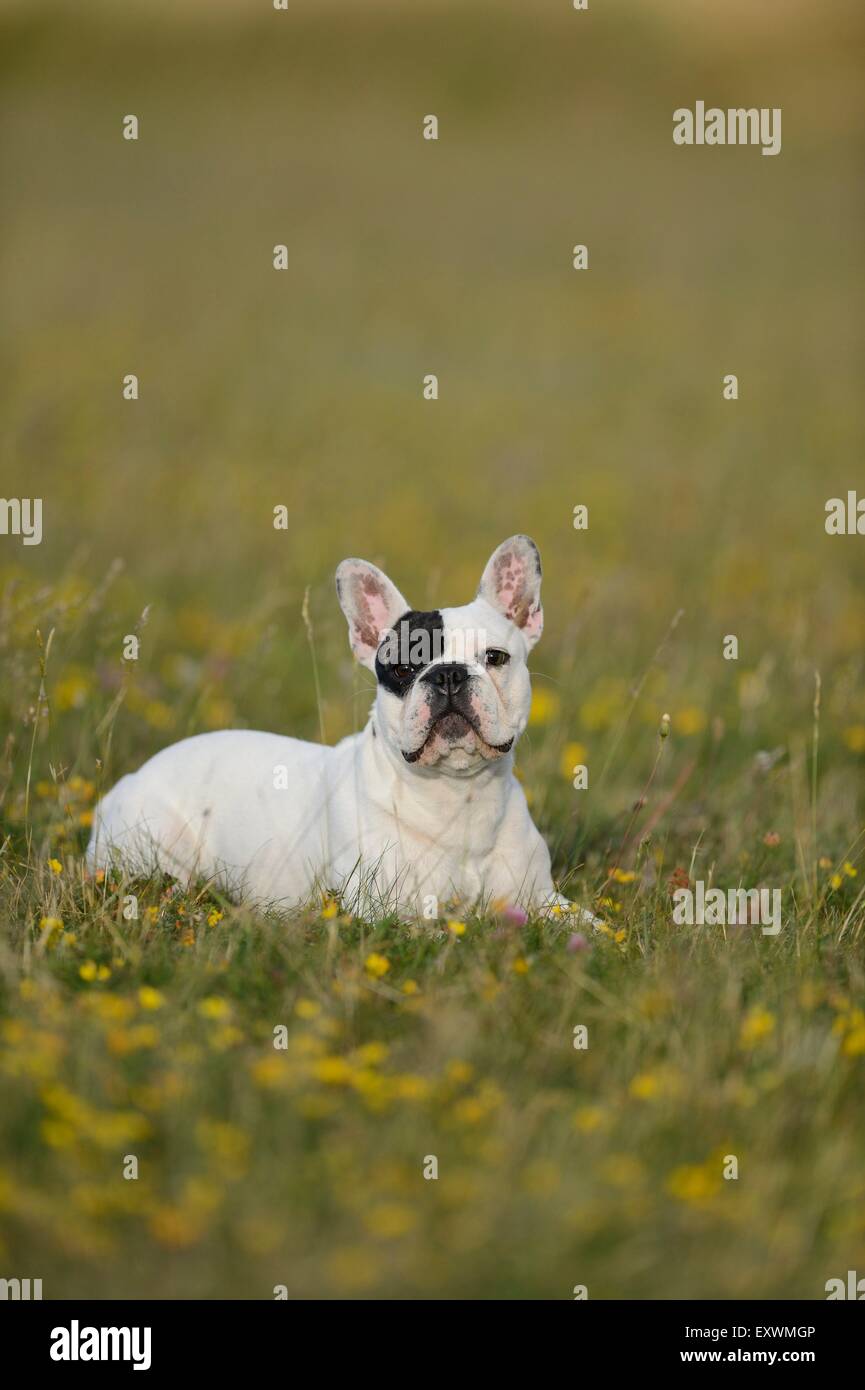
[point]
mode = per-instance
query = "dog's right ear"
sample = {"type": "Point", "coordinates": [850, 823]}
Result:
{"type": "Point", "coordinates": [371, 603]}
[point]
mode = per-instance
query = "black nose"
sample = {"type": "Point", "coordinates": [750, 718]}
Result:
{"type": "Point", "coordinates": [448, 678]}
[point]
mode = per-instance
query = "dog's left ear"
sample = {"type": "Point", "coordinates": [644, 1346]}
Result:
{"type": "Point", "coordinates": [371, 603]}
{"type": "Point", "coordinates": [512, 584]}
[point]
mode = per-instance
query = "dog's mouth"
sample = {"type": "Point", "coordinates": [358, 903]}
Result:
{"type": "Point", "coordinates": [452, 728]}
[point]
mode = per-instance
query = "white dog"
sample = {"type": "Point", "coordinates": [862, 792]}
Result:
{"type": "Point", "coordinates": [419, 809]}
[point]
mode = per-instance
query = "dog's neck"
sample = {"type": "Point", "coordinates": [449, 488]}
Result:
{"type": "Point", "coordinates": [421, 794]}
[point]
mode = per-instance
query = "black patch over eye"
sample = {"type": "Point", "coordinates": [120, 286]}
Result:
{"type": "Point", "coordinates": [416, 641]}
{"type": "Point", "coordinates": [496, 657]}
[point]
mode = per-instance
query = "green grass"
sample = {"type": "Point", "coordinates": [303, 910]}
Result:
{"type": "Point", "coordinates": [303, 1166]}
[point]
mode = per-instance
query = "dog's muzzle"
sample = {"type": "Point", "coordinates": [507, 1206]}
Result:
{"type": "Point", "coordinates": [449, 700]}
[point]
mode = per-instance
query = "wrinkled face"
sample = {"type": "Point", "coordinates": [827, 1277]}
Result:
{"type": "Point", "coordinates": [453, 686]}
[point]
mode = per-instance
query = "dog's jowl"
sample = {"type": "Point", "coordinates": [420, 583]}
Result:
{"type": "Point", "coordinates": [423, 802]}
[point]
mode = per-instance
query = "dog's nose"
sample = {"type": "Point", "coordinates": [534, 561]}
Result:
{"type": "Point", "coordinates": [448, 678]}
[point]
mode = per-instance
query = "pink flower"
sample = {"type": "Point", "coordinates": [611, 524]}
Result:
{"type": "Point", "coordinates": [515, 915]}
{"type": "Point", "coordinates": [576, 943]}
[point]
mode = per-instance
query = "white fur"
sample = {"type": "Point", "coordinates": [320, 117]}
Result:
{"type": "Point", "coordinates": [358, 819]}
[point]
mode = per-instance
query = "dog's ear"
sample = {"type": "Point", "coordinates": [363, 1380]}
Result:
{"type": "Point", "coordinates": [512, 584]}
{"type": "Point", "coordinates": [371, 603]}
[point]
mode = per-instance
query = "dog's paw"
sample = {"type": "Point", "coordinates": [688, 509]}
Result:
{"type": "Point", "coordinates": [560, 908]}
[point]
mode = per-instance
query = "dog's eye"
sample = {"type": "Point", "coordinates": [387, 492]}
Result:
{"type": "Point", "coordinates": [496, 657]}
{"type": "Point", "coordinates": [402, 673]}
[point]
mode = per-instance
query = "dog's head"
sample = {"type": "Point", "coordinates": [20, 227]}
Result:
{"type": "Point", "coordinates": [453, 686]}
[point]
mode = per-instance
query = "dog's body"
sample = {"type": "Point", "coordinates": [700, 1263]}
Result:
{"type": "Point", "coordinates": [419, 809]}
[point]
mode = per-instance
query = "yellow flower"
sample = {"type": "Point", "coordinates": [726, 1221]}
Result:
{"type": "Point", "coordinates": [835, 880]}
{"type": "Point", "coordinates": [390, 1220]}
{"type": "Point", "coordinates": [333, 1071]}
{"type": "Point", "coordinates": [411, 1087]}
{"type": "Point", "coordinates": [622, 875]}
{"type": "Point", "coordinates": [521, 966]}
{"type": "Point", "coordinates": [55, 866]}
{"type": "Point", "coordinates": [757, 1024]}
{"type": "Point", "coordinates": [330, 909]}
{"type": "Point", "coordinates": [853, 1025]}
{"type": "Point", "coordinates": [150, 998]}
{"type": "Point", "coordinates": [122, 1041]}
{"type": "Point", "coordinates": [849, 870]}
{"type": "Point", "coordinates": [87, 971]}
{"type": "Point", "coordinates": [57, 1134]}
{"type": "Point", "coordinates": [411, 987]}
{"type": "Point", "coordinates": [590, 1118]}
{"type": "Point", "coordinates": [459, 1072]}
{"type": "Point", "coordinates": [268, 1072]}
{"type": "Point", "coordinates": [619, 936]}
{"type": "Point", "coordinates": [158, 714]}
{"type": "Point", "coordinates": [690, 720]}
{"type": "Point", "coordinates": [693, 1183]}
{"type": "Point", "coordinates": [214, 917]}
{"type": "Point", "coordinates": [573, 755]}
{"type": "Point", "coordinates": [376, 965]}
{"type": "Point", "coordinates": [50, 924]}
{"type": "Point", "coordinates": [545, 706]}
{"type": "Point", "coordinates": [307, 1008]}
{"type": "Point", "coordinates": [110, 1008]}
{"type": "Point", "coordinates": [214, 1007]}
{"type": "Point", "coordinates": [176, 1228]}
{"type": "Point", "coordinates": [854, 737]}
{"type": "Point", "coordinates": [72, 689]}
{"type": "Point", "coordinates": [664, 1083]}
{"type": "Point", "coordinates": [457, 928]}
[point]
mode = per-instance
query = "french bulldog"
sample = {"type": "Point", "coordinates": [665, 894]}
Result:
{"type": "Point", "coordinates": [417, 811]}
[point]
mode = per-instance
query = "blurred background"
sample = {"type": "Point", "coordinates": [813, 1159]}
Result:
{"type": "Point", "coordinates": [303, 388]}
{"type": "Point", "coordinates": [406, 257]}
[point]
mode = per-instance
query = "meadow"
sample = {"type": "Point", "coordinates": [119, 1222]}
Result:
{"type": "Point", "coordinates": [302, 1166]}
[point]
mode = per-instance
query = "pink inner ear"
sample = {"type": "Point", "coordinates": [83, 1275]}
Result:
{"type": "Point", "coordinates": [372, 614]}
{"type": "Point", "coordinates": [512, 588]}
